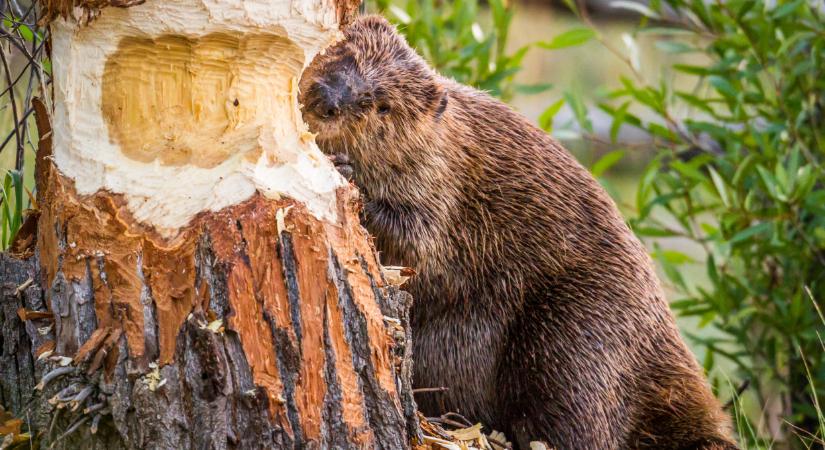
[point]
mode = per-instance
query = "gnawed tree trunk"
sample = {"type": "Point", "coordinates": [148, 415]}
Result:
{"type": "Point", "coordinates": [200, 277]}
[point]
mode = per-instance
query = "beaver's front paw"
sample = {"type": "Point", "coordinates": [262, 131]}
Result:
{"type": "Point", "coordinates": [343, 165]}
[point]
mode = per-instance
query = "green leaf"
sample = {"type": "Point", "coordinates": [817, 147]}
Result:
{"type": "Point", "coordinates": [576, 102]}
{"type": "Point", "coordinates": [518, 56]}
{"type": "Point", "coordinates": [770, 182]}
{"type": "Point", "coordinates": [674, 47]}
{"type": "Point", "coordinates": [546, 118]}
{"type": "Point", "coordinates": [688, 170]}
{"type": "Point", "coordinates": [531, 89]}
{"type": "Point", "coordinates": [745, 8]}
{"type": "Point", "coordinates": [709, 360]}
{"type": "Point", "coordinates": [713, 274]}
{"type": "Point", "coordinates": [684, 303]}
{"type": "Point", "coordinates": [750, 232]}
{"type": "Point", "coordinates": [400, 14]}
{"type": "Point", "coordinates": [570, 4]}
{"type": "Point", "coordinates": [675, 257]}
{"type": "Point", "coordinates": [786, 9]}
{"type": "Point", "coordinates": [569, 38]}
{"type": "Point", "coordinates": [645, 188]}
{"type": "Point", "coordinates": [723, 86]}
{"type": "Point", "coordinates": [719, 183]}
{"type": "Point", "coordinates": [618, 119]}
{"type": "Point", "coordinates": [606, 162]}
{"type": "Point", "coordinates": [743, 169]}
{"type": "Point", "coordinates": [805, 181]}
{"type": "Point", "coordinates": [25, 32]}
{"type": "Point", "coordinates": [692, 70]}
{"type": "Point", "coordinates": [696, 102]}
{"type": "Point", "coordinates": [635, 7]}
{"type": "Point", "coordinates": [707, 318]}
{"type": "Point", "coordinates": [672, 272]}
{"type": "Point", "coordinates": [664, 31]}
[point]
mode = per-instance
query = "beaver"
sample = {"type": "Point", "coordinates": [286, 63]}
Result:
{"type": "Point", "coordinates": [535, 305]}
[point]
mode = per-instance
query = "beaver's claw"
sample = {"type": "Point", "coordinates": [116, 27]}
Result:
{"type": "Point", "coordinates": [343, 165]}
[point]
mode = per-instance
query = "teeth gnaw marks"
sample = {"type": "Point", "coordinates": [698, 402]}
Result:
{"type": "Point", "coordinates": [195, 101]}
{"type": "Point", "coordinates": [183, 107]}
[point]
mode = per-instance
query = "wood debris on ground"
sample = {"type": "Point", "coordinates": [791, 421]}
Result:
{"type": "Point", "coordinates": [12, 436]}
{"type": "Point", "coordinates": [451, 435]}
{"type": "Point", "coordinates": [454, 435]}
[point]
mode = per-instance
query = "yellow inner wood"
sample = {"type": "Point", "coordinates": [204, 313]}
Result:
{"type": "Point", "coordinates": [184, 101]}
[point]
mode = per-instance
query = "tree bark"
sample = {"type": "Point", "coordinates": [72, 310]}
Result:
{"type": "Point", "coordinates": [246, 313]}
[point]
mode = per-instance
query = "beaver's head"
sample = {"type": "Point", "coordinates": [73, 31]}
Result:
{"type": "Point", "coordinates": [368, 89]}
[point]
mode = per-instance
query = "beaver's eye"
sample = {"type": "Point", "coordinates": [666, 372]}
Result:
{"type": "Point", "coordinates": [365, 101]}
{"type": "Point", "coordinates": [383, 109]}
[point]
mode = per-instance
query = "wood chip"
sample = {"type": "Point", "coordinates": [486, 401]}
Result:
{"type": "Point", "coordinates": [467, 434]}
{"type": "Point", "coordinates": [91, 345]}
{"type": "Point", "coordinates": [397, 275]}
{"type": "Point", "coordinates": [45, 350]}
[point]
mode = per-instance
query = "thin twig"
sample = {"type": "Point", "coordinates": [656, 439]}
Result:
{"type": "Point", "coordinates": [443, 421]}
{"type": "Point", "coordinates": [13, 101]}
{"type": "Point", "coordinates": [20, 159]}
{"type": "Point", "coordinates": [458, 416]}
{"type": "Point", "coordinates": [10, 38]}
{"type": "Point", "coordinates": [29, 90]}
{"type": "Point", "coordinates": [25, 69]}
{"type": "Point", "coordinates": [739, 391]}
{"type": "Point", "coordinates": [497, 443]}
{"type": "Point", "coordinates": [430, 389]}
{"type": "Point", "coordinates": [12, 134]}
{"type": "Point", "coordinates": [71, 430]}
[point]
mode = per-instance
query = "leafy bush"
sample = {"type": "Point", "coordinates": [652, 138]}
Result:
{"type": "Point", "coordinates": [741, 176]}
{"type": "Point", "coordinates": [453, 40]}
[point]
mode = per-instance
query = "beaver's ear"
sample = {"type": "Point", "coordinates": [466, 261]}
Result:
{"type": "Point", "coordinates": [435, 99]}
{"type": "Point", "coordinates": [441, 105]}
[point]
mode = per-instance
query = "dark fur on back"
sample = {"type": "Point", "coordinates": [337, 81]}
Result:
{"type": "Point", "coordinates": [534, 303]}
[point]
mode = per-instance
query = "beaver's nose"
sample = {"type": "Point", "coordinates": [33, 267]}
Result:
{"type": "Point", "coordinates": [340, 93]}
{"type": "Point", "coordinates": [328, 110]}
{"type": "Point", "coordinates": [334, 95]}
{"type": "Point", "coordinates": [329, 104]}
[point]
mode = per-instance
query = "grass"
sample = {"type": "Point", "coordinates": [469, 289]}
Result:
{"type": "Point", "coordinates": [17, 186]}
{"type": "Point", "coordinates": [751, 436]}
{"type": "Point", "coordinates": [12, 206]}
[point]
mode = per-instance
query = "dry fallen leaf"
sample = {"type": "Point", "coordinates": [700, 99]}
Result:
{"type": "Point", "coordinates": [11, 426]}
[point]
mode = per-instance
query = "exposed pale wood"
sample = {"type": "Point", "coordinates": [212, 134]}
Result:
{"type": "Point", "coordinates": [187, 106]}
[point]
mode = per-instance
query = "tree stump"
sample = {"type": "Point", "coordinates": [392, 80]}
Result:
{"type": "Point", "coordinates": [199, 277]}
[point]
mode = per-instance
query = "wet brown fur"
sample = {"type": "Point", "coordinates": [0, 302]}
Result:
{"type": "Point", "coordinates": [535, 304]}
